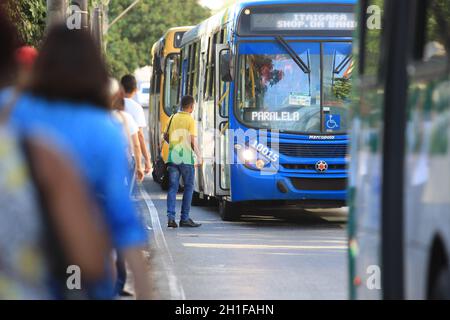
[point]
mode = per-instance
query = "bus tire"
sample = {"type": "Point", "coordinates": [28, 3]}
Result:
{"type": "Point", "coordinates": [229, 211]}
{"type": "Point", "coordinates": [441, 286]}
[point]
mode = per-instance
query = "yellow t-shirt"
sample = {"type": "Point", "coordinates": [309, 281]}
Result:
{"type": "Point", "coordinates": [182, 127]}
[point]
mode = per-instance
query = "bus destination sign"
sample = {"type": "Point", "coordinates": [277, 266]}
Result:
{"type": "Point", "coordinates": [304, 21]}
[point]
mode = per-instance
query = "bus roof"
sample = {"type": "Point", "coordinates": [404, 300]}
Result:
{"type": "Point", "coordinates": [214, 23]}
{"type": "Point", "coordinates": [168, 46]}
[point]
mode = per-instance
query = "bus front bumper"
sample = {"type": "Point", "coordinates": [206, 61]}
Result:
{"type": "Point", "coordinates": [317, 189]}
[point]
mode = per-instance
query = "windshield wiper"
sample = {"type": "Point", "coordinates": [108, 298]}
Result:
{"type": "Point", "coordinates": [343, 63]}
{"type": "Point", "coordinates": [301, 64]}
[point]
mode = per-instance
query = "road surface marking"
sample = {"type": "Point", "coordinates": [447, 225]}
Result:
{"type": "Point", "coordinates": [175, 287]}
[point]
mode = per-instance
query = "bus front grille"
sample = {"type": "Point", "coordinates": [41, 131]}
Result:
{"type": "Point", "coordinates": [291, 166]}
{"type": "Point", "coordinates": [313, 150]}
{"type": "Point", "coordinates": [319, 184]}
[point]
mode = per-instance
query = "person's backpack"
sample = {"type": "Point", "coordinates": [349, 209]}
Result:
{"type": "Point", "coordinates": [160, 174]}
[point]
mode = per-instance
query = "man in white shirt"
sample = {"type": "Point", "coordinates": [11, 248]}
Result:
{"type": "Point", "coordinates": [129, 84]}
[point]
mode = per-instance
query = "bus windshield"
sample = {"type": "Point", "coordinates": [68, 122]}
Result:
{"type": "Point", "coordinates": [171, 83]}
{"type": "Point", "coordinates": [274, 92]}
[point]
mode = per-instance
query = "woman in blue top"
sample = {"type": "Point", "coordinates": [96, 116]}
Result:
{"type": "Point", "coordinates": [68, 99]}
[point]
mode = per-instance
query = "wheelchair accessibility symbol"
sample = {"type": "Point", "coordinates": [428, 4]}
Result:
{"type": "Point", "coordinates": [333, 122]}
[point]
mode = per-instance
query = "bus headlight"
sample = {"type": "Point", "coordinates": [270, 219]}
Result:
{"type": "Point", "coordinates": [253, 159]}
{"type": "Point", "coordinates": [249, 155]}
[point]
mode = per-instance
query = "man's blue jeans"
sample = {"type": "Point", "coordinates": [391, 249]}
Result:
{"type": "Point", "coordinates": [187, 171]}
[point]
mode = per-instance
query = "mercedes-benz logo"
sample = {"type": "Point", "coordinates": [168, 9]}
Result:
{"type": "Point", "coordinates": [321, 166]}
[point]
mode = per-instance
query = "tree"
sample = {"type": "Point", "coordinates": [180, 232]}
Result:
{"type": "Point", "coordinates": [130, 40]}
{"type": "Point", "coordinates": [29, 17]}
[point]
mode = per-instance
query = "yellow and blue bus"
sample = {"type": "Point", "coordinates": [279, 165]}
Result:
{"type": "Point", "coordinates": [272, 82]}
{"type": "Point", "coordinates": [164, 94]}
{"type": "Point", "coordinates": [399, 223]}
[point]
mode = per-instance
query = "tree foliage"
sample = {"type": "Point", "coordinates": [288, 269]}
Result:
{"type": "Point", "coordinates": [130, 40]}
{"type": "Point", "coordinates": [29, 17]}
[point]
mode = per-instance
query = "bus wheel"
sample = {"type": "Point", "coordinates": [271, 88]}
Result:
{"type": "Point", "coordinates": [197, 201]}
{"type": "Point", "coordinates": [229, 211]}
{"type": "Point", "coordinates": [441, 287]}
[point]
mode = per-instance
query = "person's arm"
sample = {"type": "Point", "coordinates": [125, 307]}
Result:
{"type": "Point", "coordinates": [137, 157]}
{"type": "Point", "coordinates": [136, 262]}
{"type": "Point", "coordinates": [144, 151]}
{"type": "Point", "coordinates": [193, 132]}
{"type": "Point", "coordinates": [142, 124]}
{"type": "Point", "coordinates": [196, 149]}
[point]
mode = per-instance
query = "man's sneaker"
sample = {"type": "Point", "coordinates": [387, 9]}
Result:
{"type": "Point", "coordinates": [172, 224]}
{"type": "Point", "coordinates": [189, 223]}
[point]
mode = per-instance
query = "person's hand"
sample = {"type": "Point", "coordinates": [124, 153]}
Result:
{"type": "Point", "coordinates": [139, 175]}
{"type": "Point", "coordinates": [148, 167]}
{"type": "Point", "coordinates": [199, 163]}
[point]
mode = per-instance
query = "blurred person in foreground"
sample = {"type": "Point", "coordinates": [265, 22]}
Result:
{"type": "Point", "coordinates": [68, 95]}
{"type": "Point", "coordinates": [47, 223]}
{"type": "Point", "coordinates": [129, 84]}
{"type": "Point", "coordinates": [133, 152]}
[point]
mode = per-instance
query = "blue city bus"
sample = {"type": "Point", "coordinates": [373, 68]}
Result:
{"type": "Point", "coordinates": [271, 81]}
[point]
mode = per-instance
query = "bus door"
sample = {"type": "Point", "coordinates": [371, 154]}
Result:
{"type": "Point", "coordinates": [222, 92]}
{"type": "Point", "coordinates": [200, 180]}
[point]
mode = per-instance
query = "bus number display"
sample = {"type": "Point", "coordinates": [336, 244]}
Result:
{"type": "Point", "coordinates": [265, 151]}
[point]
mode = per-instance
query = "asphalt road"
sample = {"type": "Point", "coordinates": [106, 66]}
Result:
{"type": "Point", "coordinates": [270, 254]}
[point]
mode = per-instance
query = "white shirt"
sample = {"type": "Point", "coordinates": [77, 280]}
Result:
{"type": "Point", "coordinates": [136, 111]}
{"type": "Point", "coordinates": [132, 127]}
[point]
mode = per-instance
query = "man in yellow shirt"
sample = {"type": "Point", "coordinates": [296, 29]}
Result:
{"type": "Point", "coordinates": [182, 131]}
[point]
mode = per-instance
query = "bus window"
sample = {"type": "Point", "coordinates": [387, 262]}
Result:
{"type": "Point", "coordinates": [212, 68]}
{"type": "Point", "coordinates": [184, 74]}
{"type": "Point", "coordinates": [223, 92]}
{"type": "Point", "coordinates": [190, 69]}
{"type": "Point", "coordinates": [195, 71]}
{"type": "Point", "coordinates": [207, 67]}
{"type": "Point", "coordinates": [156, 74]}
{"type": "Point", "coordinates": [171, 83]}
{"type": "Point", "coordinates": [180, 77]}
{"type": "Point", "coordinates": [337, 71]}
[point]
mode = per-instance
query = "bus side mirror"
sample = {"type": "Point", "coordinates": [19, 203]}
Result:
{"type": "Point", "coordinates": [226, 67]}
